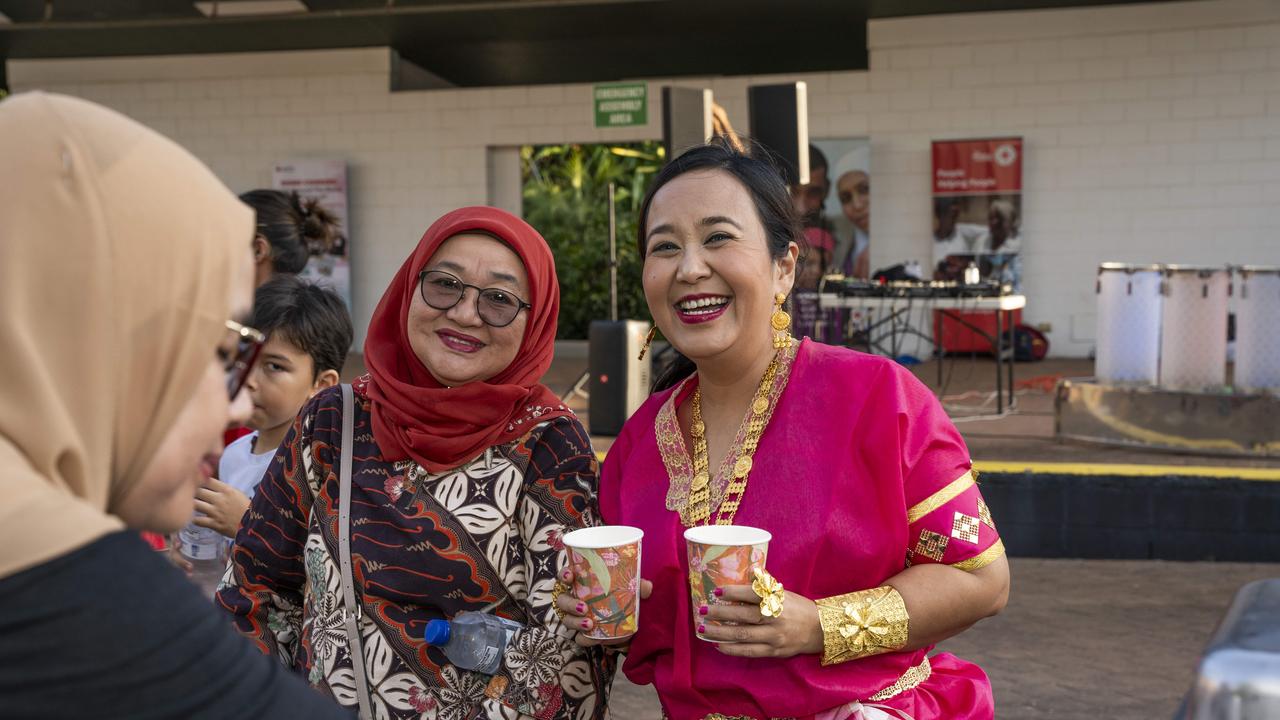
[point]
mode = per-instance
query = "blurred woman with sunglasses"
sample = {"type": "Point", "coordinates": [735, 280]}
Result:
{"type": "Point", "coordinates": [123, 272]}
{"type": "Point", "coordinates": [465, 474]}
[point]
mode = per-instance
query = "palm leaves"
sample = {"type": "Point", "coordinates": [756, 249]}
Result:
{"type": "Point", "coordinates": [566, 199]}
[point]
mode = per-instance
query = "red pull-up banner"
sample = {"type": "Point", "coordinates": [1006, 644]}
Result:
{"type": "Point", "coordinates": [977, 167]}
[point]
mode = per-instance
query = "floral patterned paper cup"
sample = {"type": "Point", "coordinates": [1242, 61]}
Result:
{"type": "Point", "coordinates": [606, 571]}
{"type": "Point", "coordinates": [721, 555]}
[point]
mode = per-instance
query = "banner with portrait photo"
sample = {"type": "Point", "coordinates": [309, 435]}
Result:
{"type": "Point", "coordinates": [977, 209]}
{"type": "Point", "coordinates": [838, 201]}
{"type": "Point", "coordinates": [326, 182]}
{"type": "Point", "coordinates": [835, 207]}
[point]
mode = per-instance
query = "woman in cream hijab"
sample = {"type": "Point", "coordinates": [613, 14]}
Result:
{"type": "Point", "coordinates": [122, 259]}
{"type": "Point", "coordinates": [853, 189]}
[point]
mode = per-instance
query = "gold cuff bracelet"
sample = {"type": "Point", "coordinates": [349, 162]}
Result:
{"type": "Point", "coordinates": [861, 624]}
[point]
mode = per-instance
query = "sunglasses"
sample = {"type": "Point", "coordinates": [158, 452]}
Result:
{"type": "Point", "coordinates": [248, 344]}
{"type": "Point", "coordinates": [495, 306]}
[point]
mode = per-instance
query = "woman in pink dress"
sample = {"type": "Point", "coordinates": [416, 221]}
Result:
{"type": "Point", "coordinates": [880, 535]}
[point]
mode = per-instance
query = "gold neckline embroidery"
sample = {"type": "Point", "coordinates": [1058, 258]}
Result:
{"type": "Point", "coordinates": [677, 458]}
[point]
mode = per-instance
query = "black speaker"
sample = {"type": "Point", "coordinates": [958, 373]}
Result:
{"type": "Point", "coordinates": [619, 380]}
{"type": "Point", "coordinates": [686, 119]}
{"type": "Point", "coordinates": [779, 117]}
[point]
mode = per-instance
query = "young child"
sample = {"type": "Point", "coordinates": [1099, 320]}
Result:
{"type": "Point", "coordinates": [308, 334]}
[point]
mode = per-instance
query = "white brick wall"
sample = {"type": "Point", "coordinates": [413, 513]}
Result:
{"type": "Point", "coordinates": [1152, 133]}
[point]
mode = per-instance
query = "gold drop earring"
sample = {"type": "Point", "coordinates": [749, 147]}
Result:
{"type": "Point", "coordinates": [653, 330]}
{"type": "Point", "coordinates": [781, 323]}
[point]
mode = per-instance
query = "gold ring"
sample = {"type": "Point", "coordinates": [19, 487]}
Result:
{"type": "Point", "coordinates": [770, 592]}
{"type": "Point", "coordinates": [556, 590]}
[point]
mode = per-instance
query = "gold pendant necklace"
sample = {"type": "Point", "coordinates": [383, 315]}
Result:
{"type": "Point", "coordinates": [697, 510]}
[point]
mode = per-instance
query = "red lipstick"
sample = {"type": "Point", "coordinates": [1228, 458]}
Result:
{"type": "Point", "coordinates": [459, 342]}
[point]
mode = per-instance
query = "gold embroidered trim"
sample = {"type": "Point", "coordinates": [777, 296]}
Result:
{"type": "Point", "coordinates": [982, 559]}
{"type": "Point", "coordinates": [675, 456]}
{"type": "Point", "coordinates": [940, 498]}
{"type": "Point", "coordinates": [678, 460]}
{"type": "Point", "coordinates": [984, 514]}
{"type": "Point", "coordinates": [911, 679]}
{"type": "Point", "coordinates": [861, 624]}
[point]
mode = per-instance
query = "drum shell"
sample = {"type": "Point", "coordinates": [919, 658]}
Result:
{"type": "Point", "coordinates": [1258, 331]}
{"type": "Point", "coordinates": [1193, 329]}
{"type": "Point", "coordinates": [1128, 332]}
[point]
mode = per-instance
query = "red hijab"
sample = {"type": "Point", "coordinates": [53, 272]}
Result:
{"type": "Point", "coordinates": [440, 428]}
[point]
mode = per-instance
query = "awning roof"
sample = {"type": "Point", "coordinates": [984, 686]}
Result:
{"type": "Point", "coordinates": [495, 42]}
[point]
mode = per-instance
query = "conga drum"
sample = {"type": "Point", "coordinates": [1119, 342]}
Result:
{"type": "Point", "coordinates": [1258, 329]}
{"type": "Point", "coordinates": [1128, 332]}
{"type": "Point", "coordinates": [1193, 327]}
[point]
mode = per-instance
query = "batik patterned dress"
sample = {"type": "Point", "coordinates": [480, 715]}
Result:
{"type": "Point", "coordinates": [424, 546]}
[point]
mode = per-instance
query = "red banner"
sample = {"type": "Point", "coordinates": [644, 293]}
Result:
{"type": "Point", "coordinates": [977, 167]}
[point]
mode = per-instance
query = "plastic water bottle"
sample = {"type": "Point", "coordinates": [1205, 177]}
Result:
{"type": "Point", "coordinates": [206, 550]}
{"type": "Point", "coordinates": [198, 543]}
{"type": "Point", "coordinates": [972, 276]}
{"type": "Point", "coordinates": [472, 640]}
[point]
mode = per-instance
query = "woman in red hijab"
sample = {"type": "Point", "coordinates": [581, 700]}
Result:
{"type": "Point", "coordinates": [465, 474]}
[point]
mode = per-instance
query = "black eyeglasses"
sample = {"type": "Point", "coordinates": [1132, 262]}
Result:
{"type": "Point", "coordinates": [248, 344]}
{"type": "Point", "coordinates": [495, 306]}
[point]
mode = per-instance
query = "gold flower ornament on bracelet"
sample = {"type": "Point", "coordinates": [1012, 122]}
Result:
{"type": "Point", "coordinates": [861, 624]}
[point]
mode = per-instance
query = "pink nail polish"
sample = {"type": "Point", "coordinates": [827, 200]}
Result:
{"type": "Point", "coordinates": [586, 624]}
{"type": "Point", "coordinates": [581, 608]}
{"type": "Point", "coordinates": [719, 592]}
{"type": "Point", "coordinates": [704, 610]}
{"type": "Point", "coordinates": [702, 629]}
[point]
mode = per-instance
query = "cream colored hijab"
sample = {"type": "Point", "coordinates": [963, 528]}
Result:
{"type": "Point", "coordinates": [116, 264]}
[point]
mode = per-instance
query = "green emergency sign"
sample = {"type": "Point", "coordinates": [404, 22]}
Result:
{"type": "Point", "coordinates": [621, 104]}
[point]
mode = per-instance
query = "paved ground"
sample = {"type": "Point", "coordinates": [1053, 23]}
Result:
{"type": "Point", "coordinates": [1081, 638]}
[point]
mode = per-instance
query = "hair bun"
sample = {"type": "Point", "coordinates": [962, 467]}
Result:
{"type": "Point", "coordinates": [319, 226]}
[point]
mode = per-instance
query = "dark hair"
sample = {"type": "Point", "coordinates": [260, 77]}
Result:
{"type": "Point", "coordinates": [818, 160]}
{"type": "Point", "coordinates": [313, 319]}
{"type": "Point", "coordinates": [759, 174]}
{"type": "Point", "coordinates": [295, 228]}
{"type": "Point", "coordinates": [942, 205]}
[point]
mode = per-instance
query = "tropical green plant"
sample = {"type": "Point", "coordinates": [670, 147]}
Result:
{"type": "Point", "coordinates": [566, 199]}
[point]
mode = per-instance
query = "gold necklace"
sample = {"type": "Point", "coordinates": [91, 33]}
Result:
{"type": "Point", "coordinates": [697, 510]}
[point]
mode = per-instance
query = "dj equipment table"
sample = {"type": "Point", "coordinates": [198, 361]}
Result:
{"type": "Point", "coordinates": [898, 308]}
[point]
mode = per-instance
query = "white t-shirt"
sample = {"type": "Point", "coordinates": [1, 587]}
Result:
{"type": "Point", "coordinates": [965, 239]}
{"type": "Point", "coordinates": [1012, 245]}
{"type": "Point", "coordinates": [242, 468]}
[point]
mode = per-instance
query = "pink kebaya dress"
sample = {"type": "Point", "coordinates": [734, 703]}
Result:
{"type": "Point", "coordinates": [858, 474]}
